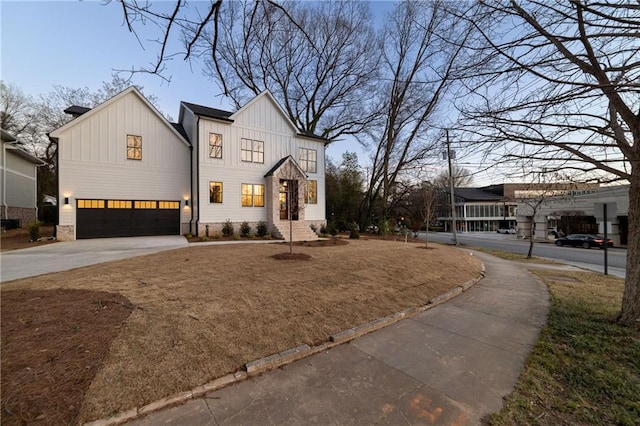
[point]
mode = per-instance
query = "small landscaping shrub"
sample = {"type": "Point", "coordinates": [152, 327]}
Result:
{"type": "Point", "coordinates": [188, 235]}
{"type": "Point", "coordinates": [34, 230]}
{"type": "Point", "coordinates": [261, 228]}
{"type": "Point", "coordinates": [354, 234]}
{"type": "Point", "coordinates": [236, 237]}
{"type": "Point", "coordinates": [245, 229]}
{"type": "Point", "coordinates": [227, 228]}
{"type": "Point", "coordinates": [314, 228]}
{"type": "Point", "coordinates": [217, 236]}
{"type": "Point", "coordinates": [323, 229]}
{"type": "Point", "coordinates": [333, 231]}
{"type": "Point", "coordinates": [204, 238]}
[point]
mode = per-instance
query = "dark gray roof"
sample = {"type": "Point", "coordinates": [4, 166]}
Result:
{"type": "Point", "coordinates": [277, 166]}
{"type": "Point", "coordinates": [77, 110]}
{"type": "Point", "coordinates": [209, 112]}
{"type": "Point", "coordinates": [475, 194]}
{"type": "Point", "coordinates": [181, 130]}
{"type": "Point", "coordinates": [312, 135]}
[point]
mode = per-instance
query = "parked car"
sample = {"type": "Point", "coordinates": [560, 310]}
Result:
{"type": "Point", "coordinates": [584, 241]}
{"type": "Point", "coordinates": [506, 231]}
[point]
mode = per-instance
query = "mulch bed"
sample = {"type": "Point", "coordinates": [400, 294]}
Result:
{"type": "Point", "coordinates": [291, 256]}
{"type": "Point", "coordinates": [15, 239]}
{"type": "Point", "coordinates": [41, 383]}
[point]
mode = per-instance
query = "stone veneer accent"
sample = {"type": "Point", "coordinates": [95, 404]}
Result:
{"type": "Point", "coordinates": [65, 233]}
{"type": "Point", "coordinates": [24, 214]}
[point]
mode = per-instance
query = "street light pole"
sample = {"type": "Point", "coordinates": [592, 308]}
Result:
{"type": "Point", "coordinates": [453, 198]}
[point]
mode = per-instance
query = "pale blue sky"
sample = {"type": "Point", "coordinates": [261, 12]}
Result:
{"type": "Point", "coordinates": [80, 43]}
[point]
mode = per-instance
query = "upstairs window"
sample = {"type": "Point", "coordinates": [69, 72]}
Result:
{"type": "Point", "coordinates": [134, 147]}
{"type": "Point", "coordinates": [215, 145]}
{"type": "Point", "coordinates": [308, 160]}
{"type": "Point", "coordinates": [252, 151]}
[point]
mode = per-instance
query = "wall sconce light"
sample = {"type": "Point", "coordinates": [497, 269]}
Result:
{"type": "Point", "coordinates": [186, 203]}
{"type": "Point", "coordinates": [66, 201]}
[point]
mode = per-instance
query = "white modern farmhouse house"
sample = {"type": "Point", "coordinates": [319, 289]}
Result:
{"type": "Point", "coordinates": [124, 170]}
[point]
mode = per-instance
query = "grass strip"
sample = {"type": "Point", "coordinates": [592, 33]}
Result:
{"type": "Point", "coordinates": [585, 368]}
{"type": "Point", "coordinates": [516, 257]}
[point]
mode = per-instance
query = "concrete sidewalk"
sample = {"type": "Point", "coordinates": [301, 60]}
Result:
{"type": "Point", "coordinates": [451, 364]}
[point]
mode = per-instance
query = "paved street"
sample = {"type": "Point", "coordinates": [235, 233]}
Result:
{"type": "Point", "coordinates": [592, 259]}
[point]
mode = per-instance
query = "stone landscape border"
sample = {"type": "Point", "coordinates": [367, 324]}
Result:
{"type": "Point", "coordinates": [271, 362]}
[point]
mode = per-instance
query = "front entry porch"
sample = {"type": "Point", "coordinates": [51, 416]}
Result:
{"type": "Point", "coordinates": [285, 188]}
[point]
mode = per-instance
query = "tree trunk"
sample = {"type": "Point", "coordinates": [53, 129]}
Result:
{"type": "Point", "coordinates": [531, 234]}
{"type": "Point", "coordinates": [426, 236]}
{"type": "Point", "coordinates": [630, 313]}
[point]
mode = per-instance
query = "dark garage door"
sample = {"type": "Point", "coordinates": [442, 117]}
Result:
{"type": "Point", "coordinates": [126, 218]}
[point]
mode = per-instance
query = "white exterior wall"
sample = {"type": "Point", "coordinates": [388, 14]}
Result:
{"type": "Point", "coordinates": [261, 120]}
{"type": "Point", "coordinates": [93, 158]}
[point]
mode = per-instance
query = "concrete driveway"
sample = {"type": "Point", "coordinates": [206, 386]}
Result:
{"type": "Point", "coordinates": [66, 255]}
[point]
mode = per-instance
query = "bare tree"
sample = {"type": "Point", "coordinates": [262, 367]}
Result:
{"type": "Point", "coordinates": [461, 178]}
{"type": "Point", "coordinates": [419, 67]}
{"type": "Point", "coordinates": [16, 109]}
{"type": "Point", "coordinates": [315, 58]}
{"type": "Point", "coordinates": [547, 187]}
{"type": "Point", "coordinates": [565, 86]}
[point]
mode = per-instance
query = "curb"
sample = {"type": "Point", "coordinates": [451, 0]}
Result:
{"type": "Point", "coordinates": [280, 359]}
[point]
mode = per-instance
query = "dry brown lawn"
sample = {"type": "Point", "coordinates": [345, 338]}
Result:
{"type": "Point", "coordinates": [202, 312]}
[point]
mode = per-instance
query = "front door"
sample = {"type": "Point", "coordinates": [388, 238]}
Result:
{"type": "Point", "coordinates": [288, 199]}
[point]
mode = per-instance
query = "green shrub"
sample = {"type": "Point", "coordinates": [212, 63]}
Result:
{"type": "Point", "coordinates": [217, 236]}
{"type": "Point", "coordinates": [188, 235]}
{"type": "Point", "coordinates": [333, 231]}
{"type": "Point", "coordinates": [323, 229]}
{"type": "Point", "coordinates": [261, 228]}
{"type": "Point", "coordinates": [245, 229]}
{"type": "Point", "coordinates": [227, 228]}
{"type": "Point", "coordinates": [354, 234]}
{"type": "Point", "coordinates": [34, 230]}
{"type": "Point", "coordinates": [204, 238]}
{"type": "Point", "coordinates": [236, 237]}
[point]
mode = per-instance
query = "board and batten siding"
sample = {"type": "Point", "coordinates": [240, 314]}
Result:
{"type": "Point", "coordinates": [93, 158]}
{"type": "Point", "coordinates": [262, 121]}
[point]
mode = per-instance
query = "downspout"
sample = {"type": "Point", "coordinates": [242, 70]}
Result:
{"type": "Point", "coordinates": [36, 187]}
{"type": "Point", "coordinates": [4, 181]}
{"type": "Point", "coordinates": [191, 185]}
{"type": "Point", "coordinates": [58, 204]}
{"type": "Point", "coordinates": [198, 171]}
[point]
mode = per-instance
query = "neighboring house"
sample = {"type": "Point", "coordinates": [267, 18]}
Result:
{"type": "Point", "coordinates": [19, 183]}
{"type": "Point", "coordinates": [124, 170]}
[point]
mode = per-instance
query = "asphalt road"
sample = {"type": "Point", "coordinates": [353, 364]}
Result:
{"type": "Point", "coordinates": [592, 259]}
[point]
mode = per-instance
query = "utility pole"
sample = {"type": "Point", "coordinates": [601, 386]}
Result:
{"type": "Point", "coordinates": [453, 197]}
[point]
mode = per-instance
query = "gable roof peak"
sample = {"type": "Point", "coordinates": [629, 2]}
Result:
{"type": "Point", "coordinates": [113, 99]}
